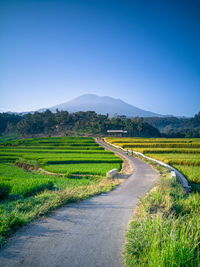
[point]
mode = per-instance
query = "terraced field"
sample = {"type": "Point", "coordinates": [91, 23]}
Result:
{"type": "Point", "coordinates": [67, 155]}
{"type": "Point", "coordinates": [183, 154]}
{"type": "Point", "coordinates": [78, 166]}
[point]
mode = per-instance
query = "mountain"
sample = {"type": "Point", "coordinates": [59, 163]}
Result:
{"type": "Point", "coordinates": [102, 105]}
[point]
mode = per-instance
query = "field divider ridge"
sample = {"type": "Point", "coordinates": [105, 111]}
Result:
{"type": "Point", "coordinates": [179, 176]}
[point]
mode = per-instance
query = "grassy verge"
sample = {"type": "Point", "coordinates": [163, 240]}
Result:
{"type": "Point", "coordinates": [165, 230]}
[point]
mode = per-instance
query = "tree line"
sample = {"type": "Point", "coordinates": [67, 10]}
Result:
{"type": "Point", "coordinates": [177, 127]}
{"type": "Point", "coordinates": [65, 123]}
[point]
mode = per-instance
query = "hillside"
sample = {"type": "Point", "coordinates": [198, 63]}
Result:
{"type": "Point", "coordinates": [177, 127]}
{"type": "Point", "coordinates": [102, 105]}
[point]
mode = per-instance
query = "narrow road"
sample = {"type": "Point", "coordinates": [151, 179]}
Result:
{"type": "Point", "coordinates": [86, 234]}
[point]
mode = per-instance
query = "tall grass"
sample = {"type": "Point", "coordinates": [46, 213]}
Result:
{"type": "Point", "coordinates": [23, 183]}
{"type": "Point", "coordinates": [167, 242]}
{"type": "Point", "coordinates": [165, 230]}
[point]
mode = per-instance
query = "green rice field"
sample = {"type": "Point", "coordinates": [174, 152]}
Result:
{"type": "Point", "coordinates": [71, 155]}
{"type": "Point", "coordinates": [77, 167]}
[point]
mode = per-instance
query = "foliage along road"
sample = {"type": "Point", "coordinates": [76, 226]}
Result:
{"type": "Point", "coordinates": [88, 233]}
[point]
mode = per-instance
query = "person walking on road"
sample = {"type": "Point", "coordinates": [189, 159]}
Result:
{"type": "Point", "coordinates": [131, 152]}
{"type": "Point", "coordinates": [127, 152]}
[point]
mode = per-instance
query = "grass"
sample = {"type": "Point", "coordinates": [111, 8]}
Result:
{"type": "Point", "coordinates": [8, 138]}
{"type": "Point", "coordinates": [21, 151]}
{"type": "Point", "coordinates": [25, 195]}
{"type": "Point", "coordinates": [187, 159]}
{"type": "Point", "coordinates": [191, 172]}
{"type": "Point", "coordinates": [82, 168]}
{"type": "Point", "coordinates": [169, 150]}
{"type": "Point", "coordinates": [21, 183]}
{"type": "Point", "coordinates": [160, 145]}
{"type": "Point", "coordinates": [61, 147]}
{"type": "Point", "coordinates": [165, 228]}
{"type": "Point", "coordinates": [151, 140]}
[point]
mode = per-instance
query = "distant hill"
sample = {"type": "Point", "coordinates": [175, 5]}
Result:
{"type": "Point", "coordinates": [176, 127]}
{"type": "Point", "coordinates": [102, 105]}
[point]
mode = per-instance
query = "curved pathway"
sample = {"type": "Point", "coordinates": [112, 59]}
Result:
{"type": "Point", "coordinates": [90, 233]}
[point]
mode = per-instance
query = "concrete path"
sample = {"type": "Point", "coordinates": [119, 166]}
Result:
{"type": "Point", "coordinates": [86, 234]}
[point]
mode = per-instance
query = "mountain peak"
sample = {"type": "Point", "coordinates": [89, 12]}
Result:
{"type": "Point", "coordinates": [103, 105]}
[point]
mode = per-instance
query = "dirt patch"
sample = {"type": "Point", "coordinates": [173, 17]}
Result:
{"type": "Point", "coordinates": [31, 168]}
{"type": "Point", "coordinates": [40, 170]}
{"type": "Point", "coordinates": [26, 166]}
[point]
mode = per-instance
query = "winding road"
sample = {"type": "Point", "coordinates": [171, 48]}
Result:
{"type": "Point", "coordinates": [89, 233]}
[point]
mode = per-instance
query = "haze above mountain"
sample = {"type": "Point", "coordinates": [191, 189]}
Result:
{"type": "Point", "coordinates": [102, 105]}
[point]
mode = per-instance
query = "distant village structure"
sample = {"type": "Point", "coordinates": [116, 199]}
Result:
{"type": "Point", "coordinates": [116, 132]}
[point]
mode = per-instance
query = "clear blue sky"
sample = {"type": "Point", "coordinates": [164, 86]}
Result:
{"type": "Point", "coordinates": [145, 52]}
